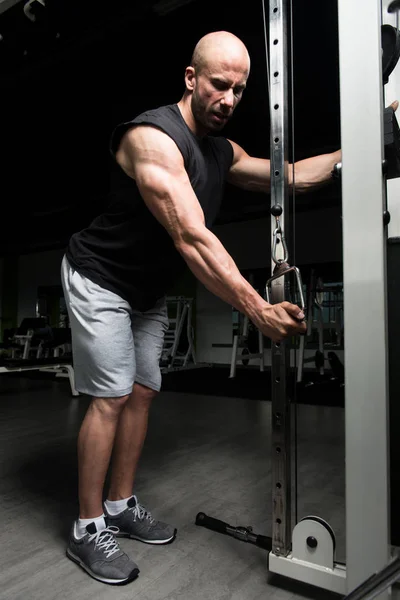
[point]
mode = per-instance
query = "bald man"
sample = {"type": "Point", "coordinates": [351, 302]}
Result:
{"type": "Point", "coordinates": [171, 165]}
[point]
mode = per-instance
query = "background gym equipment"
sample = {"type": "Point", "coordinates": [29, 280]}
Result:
{"type": "Point", "coordinates": [248, 342]}
{"type": "Point", "coordinates": [324, 329]}
{"type": "Point", "coordinates": [178, 350]}
{"type": "Point", "coordinates": [25, 339]}
{"type": "Point", "coordinates": [35, 346]}
{"type": "Point", "coordinates": [58, 366]}
{"type": "Point", "coordinates": [35, 338]}
{"type": "Point", "coordinates": [315, 298]}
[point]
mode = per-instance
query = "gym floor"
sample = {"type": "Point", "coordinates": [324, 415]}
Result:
{"type": "Point", "coordinates": [202, 454]}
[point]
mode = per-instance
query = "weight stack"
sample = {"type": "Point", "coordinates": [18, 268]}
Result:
{"type": "Point", "coordinates": [393, 297]}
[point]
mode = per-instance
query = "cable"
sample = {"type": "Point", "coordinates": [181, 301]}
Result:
{"type": "Point", "coordinates": [293, 235]}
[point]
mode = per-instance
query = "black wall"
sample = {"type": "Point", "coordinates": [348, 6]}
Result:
{"type": "Point", "coordinates": [61, 100]}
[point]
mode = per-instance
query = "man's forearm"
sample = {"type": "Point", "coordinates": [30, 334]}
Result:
{"type": "Point", "coordinates": [253, 174]}
{"type": "Point", "coordinates": [214, 267]}
{"type": "Point", "coordinates": [313, 173]}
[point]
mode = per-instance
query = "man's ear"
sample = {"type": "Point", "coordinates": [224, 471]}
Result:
{"type": "Point", "coordinates": [190, 79]}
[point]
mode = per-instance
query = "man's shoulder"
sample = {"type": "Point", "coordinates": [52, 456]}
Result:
{"type": "Point", "coordinates": [154, 116]}
{"type": "Point", "coordinates": [166, 110]}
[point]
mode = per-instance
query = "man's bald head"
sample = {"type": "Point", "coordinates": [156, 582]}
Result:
{"type": "Point", "coordinates": [220, 46]}
{"type": "Point", "coordinates": [214, 81]}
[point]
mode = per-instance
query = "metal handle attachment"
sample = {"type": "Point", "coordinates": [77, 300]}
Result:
{"type": "Point", "coordinates": [281, 271]}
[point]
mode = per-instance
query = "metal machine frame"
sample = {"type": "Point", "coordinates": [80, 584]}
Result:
{"type": "Point", "coordinates": [309, 555]}
{"type": "Point", "coordinates": [306, 551]}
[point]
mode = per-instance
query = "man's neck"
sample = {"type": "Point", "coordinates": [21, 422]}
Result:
{"type": "Point", "coordinates": [187, 114]}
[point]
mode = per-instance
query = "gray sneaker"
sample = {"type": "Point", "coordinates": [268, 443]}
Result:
{"type": "Point", "coordinates": [137, 523]}
{"type": "Point", "coordinates": [98, 553]}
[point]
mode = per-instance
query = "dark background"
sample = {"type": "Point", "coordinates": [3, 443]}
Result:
{"type": "Point", "coordinates": [69, 78]}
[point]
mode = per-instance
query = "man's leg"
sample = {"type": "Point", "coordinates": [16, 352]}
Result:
{"type": "Point", "coordinates": [104, 364]}
{"type": "Point", "coordinates": [130, 436]}
{"type": "Point", "coordinates": [95, 443]}
{"type": "Point", "coordinates": [122, 507]}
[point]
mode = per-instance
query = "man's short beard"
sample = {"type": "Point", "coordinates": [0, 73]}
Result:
{"type": "Point", "coordinates": [200, 114]}
{"type": "Point", "coordinates": [198, 110]}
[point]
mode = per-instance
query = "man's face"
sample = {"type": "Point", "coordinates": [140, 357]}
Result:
{"type": "Point", "coordinates": [217, 92]}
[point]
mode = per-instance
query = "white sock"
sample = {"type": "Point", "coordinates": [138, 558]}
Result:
{"type": "Point", "coordinates": [80, 525]}
{"type": "Point", "coordinates": [114, 507]}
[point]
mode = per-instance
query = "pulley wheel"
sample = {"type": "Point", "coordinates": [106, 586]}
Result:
{"type": "Point", "coordinates": [324, 524]}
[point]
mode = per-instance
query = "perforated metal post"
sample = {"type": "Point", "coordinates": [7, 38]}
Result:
{"type": "Point", "coordinates": [281, 430]}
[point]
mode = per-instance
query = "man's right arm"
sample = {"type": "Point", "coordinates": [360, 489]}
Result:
{"type": "Point", "coordinates": [154, 161]}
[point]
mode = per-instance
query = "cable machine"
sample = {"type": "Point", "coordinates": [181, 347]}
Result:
{"type": "Point", "coordinates": [305, 550]}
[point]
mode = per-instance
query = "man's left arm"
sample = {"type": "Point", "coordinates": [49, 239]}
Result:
{"type": "Point", "coordinates": [254, 174]}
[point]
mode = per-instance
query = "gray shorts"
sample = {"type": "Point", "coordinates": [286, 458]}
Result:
{"type": "Point", "coordinates": [113, 346]}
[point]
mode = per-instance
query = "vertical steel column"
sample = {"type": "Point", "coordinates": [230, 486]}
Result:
{"type": "Point", "coordinates": [280, 357]}
{"type": "Point", "coordinates": [364, 272]}
{"type": "Point", "coordinates": [392, 92]}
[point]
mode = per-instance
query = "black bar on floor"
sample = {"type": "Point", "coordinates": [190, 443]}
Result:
{"type": "Point", "coordinates": [244, 534]}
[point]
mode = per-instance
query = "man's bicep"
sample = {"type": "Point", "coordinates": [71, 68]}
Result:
{"type": "Point", "coordinates": [248, 172]}
{"type": "Point", "coordinates": [238, 168]}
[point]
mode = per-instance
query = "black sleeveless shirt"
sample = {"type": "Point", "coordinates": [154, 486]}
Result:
{"type": "Point", "coordinates": [125, 249]}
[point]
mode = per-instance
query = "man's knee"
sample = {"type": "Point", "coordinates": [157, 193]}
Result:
{"type": "Point", "coordinates": [142, 396]}
{"type": "Point", "coordinates": [109, 407]}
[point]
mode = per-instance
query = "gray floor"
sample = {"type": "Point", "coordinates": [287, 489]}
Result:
{"type": "Point", "coordinates": [202, 453]}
